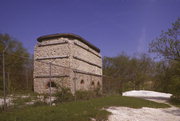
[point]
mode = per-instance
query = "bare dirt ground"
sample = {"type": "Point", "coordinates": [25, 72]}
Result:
{"type": "Point", "coordinates": [145, 114]}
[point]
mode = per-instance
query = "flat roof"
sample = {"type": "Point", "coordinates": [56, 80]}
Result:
{"type": "Point", "coordinates": [67, 35]}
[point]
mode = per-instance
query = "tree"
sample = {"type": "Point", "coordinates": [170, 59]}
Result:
{"type": "Point", "coordinates": [128, 72]}
{"type": "Point", "coordinates": [173, 74]}
{"type": "Point", "coordinates": [167, 45]}
{"type": "Point", "coordinates": [17, 60]}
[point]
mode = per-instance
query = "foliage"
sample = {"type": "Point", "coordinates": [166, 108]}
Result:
{"type": "Point", "coordinates": [87, 95]}
{"type": "Point", "coordinates": [160, 80]}
{"type": "Point", "coordinates": [39, 103]}
{"type": "Point", "coordinates": [17, 61]}
{"type": "Point", "coordinates": [167, 45]}
{"type": "Point", "coordinates": [175, 100]}
{"type": "Point", "coordinates": [21, 101]}
{"type": "Point", "coordinates": [77, 111]}
{"type": "Point", "coordinates": [1, 93]}
{"type": "Point", "coordinates": [173, 74]}
{"type": "Point", "coordinates": [64, 95]}
{"type": "Point", "coordinates": [127, 72]}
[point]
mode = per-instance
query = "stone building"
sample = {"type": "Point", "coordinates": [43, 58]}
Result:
{"type": "Point", "coordinates": [66, 60]}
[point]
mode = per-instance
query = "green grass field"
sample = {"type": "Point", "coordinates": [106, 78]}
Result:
{"type": "Point", "coordinates": [76, 111]}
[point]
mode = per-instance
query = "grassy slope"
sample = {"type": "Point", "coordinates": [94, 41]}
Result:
{"type": "Point", "coordinates": [76, 111]}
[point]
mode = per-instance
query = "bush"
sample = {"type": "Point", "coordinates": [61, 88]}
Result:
{"type": "Point", "coordinates": [98, 92]}
{"type": "Point", "coordinates": [21, 101]}
{"type": "Point", "coordinates": [39, 103]}
{"type": "Point", "coordinates": [64, 95]}
{"type": "Point", "coordinates": [175, 100]}
{"type": "Point", "coordinates": [86, 95]}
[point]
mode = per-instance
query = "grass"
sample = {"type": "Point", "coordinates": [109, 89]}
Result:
{"type": "Point", "coordinates": [175, 104]}
{"type": "Point", "coordinates": [23, 92]}
{"type": "Point", "coordinates": [21, 101]}
{"type": "Point", "coordinates": [76, 111]}
{"type": "Point", "coordinates": [175, 100]}
{"type": "Point", "coordinates": [1, 93]}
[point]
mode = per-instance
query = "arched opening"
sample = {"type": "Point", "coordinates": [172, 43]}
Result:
{"type": "Point", "coordinates": [51, 84]}
{"type": "Point", "coordinates": [98, 84]}
{"type": "Point", "coordinates": [92, 83]}
{"type": "Point", "coordinates": [82, 81]}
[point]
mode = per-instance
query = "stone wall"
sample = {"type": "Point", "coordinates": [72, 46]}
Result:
{"type": "Point", "coordinates": [81, 66]}
{"type": "Point", "coordinates": [55, 51]}
{"type": "Point", "coordinates": [87, 82]}
{"type": "Point", "coordinates": [41, 84]}
{"type": "Point", "coordinates": [91, 61]}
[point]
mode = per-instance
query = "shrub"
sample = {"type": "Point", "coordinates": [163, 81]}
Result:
{"type": "Point", "coordinates": [86, 95]}
{"type": "Point", "coordinates": [64, 95]}
{"type": "Point", "coordinates": [39, 103]}
{"type": "Point", "coordinates": [175, 100]}
{"type": "Point", "coordinates": [98, 92]}
{"type": "Point", "coordinates": [21, 101]}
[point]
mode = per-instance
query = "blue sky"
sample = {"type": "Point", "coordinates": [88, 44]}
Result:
{"type": "Point", "coordinates": [114, 26]}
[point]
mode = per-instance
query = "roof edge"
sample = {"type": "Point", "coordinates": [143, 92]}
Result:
{"type": "Point", "coordinates": [68, 35]}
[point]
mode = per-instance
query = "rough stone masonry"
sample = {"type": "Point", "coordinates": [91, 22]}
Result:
{"type": "Point", "coordinates": [66, 60]}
